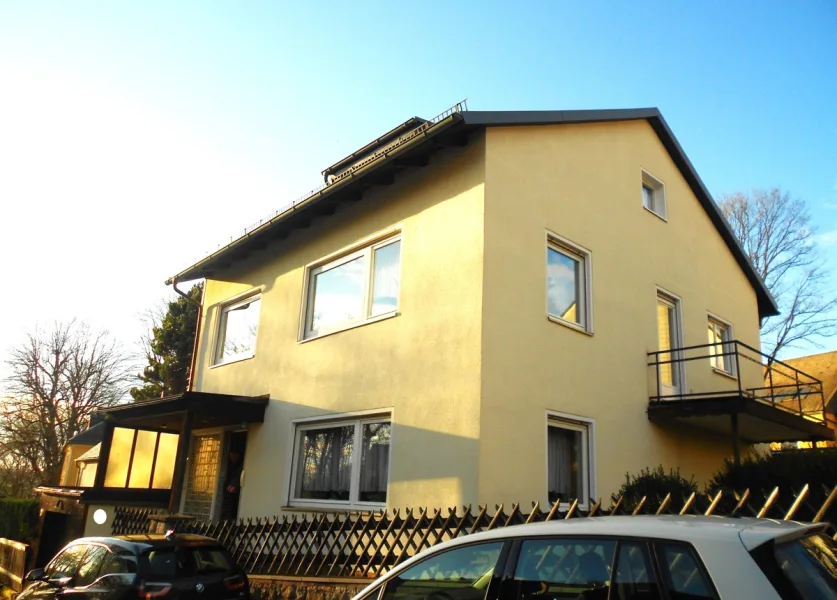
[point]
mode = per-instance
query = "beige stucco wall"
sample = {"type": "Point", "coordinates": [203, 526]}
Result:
{"type": "Point", "coordinates": [423, 364]}
{"type": "Point", "coordinates": [93, 529]}
{"type": "Point", "coordinates": [583, 182]}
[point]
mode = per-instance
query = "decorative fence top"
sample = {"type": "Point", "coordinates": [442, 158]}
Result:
{"type": "Point", "coordinates": [366, 545]}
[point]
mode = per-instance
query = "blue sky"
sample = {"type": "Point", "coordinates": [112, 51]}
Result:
{"type": "Point", "coordinates": [136, 137]}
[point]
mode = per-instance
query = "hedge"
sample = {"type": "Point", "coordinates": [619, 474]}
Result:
{"type": "Point", "coordinates": [655, 484]}
{"type": "Point", "coordinates": [19, 519]}
{"type": "Point", "coordinates": [788, 470]}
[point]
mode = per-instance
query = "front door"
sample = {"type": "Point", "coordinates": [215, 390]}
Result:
{"type": "Point", "coordinates": [668, 326]}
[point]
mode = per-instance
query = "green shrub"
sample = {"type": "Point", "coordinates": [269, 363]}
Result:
{"type": "Point", "coordinates": [788, 470]}
{"type": "Point", "coordinates": [655, 484]}
{"type": "Point", "coordinates": [19, 519]}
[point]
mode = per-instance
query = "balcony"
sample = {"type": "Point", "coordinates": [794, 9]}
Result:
{"type": "Point", "coordinates": [734, 389]}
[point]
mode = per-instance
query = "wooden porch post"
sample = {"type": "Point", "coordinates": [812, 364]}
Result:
{"type": "Point", "coordinates": [180, 462]}
{"type": "Point", "coordinates": [736, 454]}
{"type": "Point", "coordinates": [104, 454]}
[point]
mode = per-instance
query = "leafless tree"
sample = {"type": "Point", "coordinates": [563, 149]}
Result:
{"type": "Point", "coordinates": [57, 379]}
{"type": "Point", "coordinates": [776, 232]}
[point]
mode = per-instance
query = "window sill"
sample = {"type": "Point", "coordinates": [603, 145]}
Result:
{"type": "Point", "coordinates": [656, 214]}
{"type": "Point", "coordinates": [569, 324]}
{"type": "Point", "coordinates": [233, 361]}
{"type": "Point", "coordinates": [333, 508]}
{"type": "Point", "coordinates": [726, 374]}
{"type": "Point", "coordinates": [348, 327]}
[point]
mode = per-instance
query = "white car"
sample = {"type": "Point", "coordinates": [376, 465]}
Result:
{"type": "Point", "coordinates": [623, 558]}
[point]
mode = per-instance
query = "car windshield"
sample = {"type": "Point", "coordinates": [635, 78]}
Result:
{"type": "Point", "coordinates": [810, 564]}
{"type": "Point", "coordinates": [188, 561]}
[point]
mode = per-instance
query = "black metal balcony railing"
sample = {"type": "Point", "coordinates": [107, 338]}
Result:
{"type": "Point", "coordinates": [782, 386]}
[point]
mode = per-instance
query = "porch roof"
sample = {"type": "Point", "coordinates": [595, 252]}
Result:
{"type": "Point", "coordinates": [207, 409]}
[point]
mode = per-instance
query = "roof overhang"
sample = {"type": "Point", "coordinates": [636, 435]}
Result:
{"type": "Point", "coordinates": [757, 422]}
{"type": "Point", "coordinates": [116, 496]}
{"type": "Point", "coordinates": [454, 129]}
{"type": "Point", "coordinates": [208, 410]}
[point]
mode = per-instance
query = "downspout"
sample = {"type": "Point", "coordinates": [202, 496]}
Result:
{"type": "Point", "coordinates": [191, 379]}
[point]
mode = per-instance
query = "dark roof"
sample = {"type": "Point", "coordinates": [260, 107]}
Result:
{"type": "Point", "coordinates": [90, 436]}
{"type": "Point", "coordinates": [453, 129]}
{"type": "Point", "coordinates": [140, 543]}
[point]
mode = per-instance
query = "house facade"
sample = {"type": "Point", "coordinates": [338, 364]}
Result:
{"type": "Point", "coordinates": [483, 307]}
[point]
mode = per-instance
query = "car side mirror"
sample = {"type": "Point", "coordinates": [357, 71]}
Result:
{"type": "Point", "coordinates": [36, 575]}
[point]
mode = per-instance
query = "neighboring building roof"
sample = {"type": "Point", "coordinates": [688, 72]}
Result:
{"type": "Point", "coordinates": [378, 162]}
{"type": "Point", "coordinates": [821, 366]}
{"type": "Point", "coordinates": [91, 455]}
{"type": "Point", "coordinates": [92, 435]}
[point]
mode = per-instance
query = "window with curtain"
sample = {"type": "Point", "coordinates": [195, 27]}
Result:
{"type": "Point", "coordinates": [568, 460]}
{"type": "Point", "coordinates": [354, 288]}
{"type": "Point", "coordinates": [342, 462]}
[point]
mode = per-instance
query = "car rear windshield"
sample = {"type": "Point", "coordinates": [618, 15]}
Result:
{"type": "Point", "coordinates": [810, 566]}
{"type": "Point", "coordinates": [188, 561]}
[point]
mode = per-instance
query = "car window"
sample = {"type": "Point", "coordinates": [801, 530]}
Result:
{"type": "Point", "coordinates": [683, 576]}
{"type": "Point", "coordinates": [188, 561]}
{"type": "Point", "coordinates": [66, 563]}
{"type": "Point", "coordinates": [89, 568]}
{"type": "Point", "coordinates": [634, 578]}
{"type": "Point", "coordinates": [810, 564]}
{"type": "Point", "coordinates": [118, 563]}
{"type": "Point", "coordinates": [460, 574]}
{"type": "Point", "coordinates": [563, 568]}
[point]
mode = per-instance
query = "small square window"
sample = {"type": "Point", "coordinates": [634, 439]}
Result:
{"type": "Point", "coordinates": [568, 284]}
{"type": "Point", "coordinates": [653, 195]}
{"type": "Point", "coordinates": [721, 351]}
{"type": "Point", "coordinates": [237, 332]}
{"type": "Point", "coordinates": [568, 460]}
{"type": "Point", "coordinates": [343, 462]}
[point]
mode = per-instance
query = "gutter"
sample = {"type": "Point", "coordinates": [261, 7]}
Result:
{"type": "Point", "coordinates": [190, 381]}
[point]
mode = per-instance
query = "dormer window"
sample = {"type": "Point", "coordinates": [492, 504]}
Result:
{"type": "Point", "coordinates": [653, 195]}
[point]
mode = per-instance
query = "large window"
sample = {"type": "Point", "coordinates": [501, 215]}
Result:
{"type": "Point", "coordinates": [568, 284]}
{"type": "Point", "coordinates": [344, 462]}
{"type": "Point", "coordinates": [353, 289]}
{"type": "Point", "coordinates": [721, 349]}
{"type": "Point", "coordinates": [237, 330]}
{"type": "Point", "coordinates": [141, 459]}
{"type": "Point", "coordinates": [569, 460]}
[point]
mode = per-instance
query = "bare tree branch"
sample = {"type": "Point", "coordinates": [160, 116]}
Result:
{"type": "Point", "coordinates": [775, 231]}
{"type": "Point", "coordinates": [58, 379]}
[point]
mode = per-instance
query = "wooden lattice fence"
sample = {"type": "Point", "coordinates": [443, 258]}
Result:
{"type": "Point", "coordinates": [365, 545]}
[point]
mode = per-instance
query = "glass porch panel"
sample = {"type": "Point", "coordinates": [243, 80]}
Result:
{"type": "Point", "coordinates": [203, 476]}
{"type": "Point", "coordinates": [120, 457]}
{"type": "Point", "coordinates": [142, 460]}
{"type": "Point", "coordinates": [164, 467]}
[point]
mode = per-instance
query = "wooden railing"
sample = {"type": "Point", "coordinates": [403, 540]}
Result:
{"type": "Point", "coordinates": [365, 545]}
{"type": "Point", "coordinates": [13, 560]}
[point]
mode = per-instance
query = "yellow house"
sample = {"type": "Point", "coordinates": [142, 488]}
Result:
{"type": "Point", "coordinates": [482, 307]}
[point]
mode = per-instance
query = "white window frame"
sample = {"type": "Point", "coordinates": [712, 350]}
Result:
{"type": "Point", "coordinates": [727, 346]}
{"type": "Point", "coordinates": [676, 353]}
{"type": "Point", "coordinates": [358, 420]}
{"type": "Point", "coordinates": [367, 249]}
{"type": "Point", "coordinates": [585, 257]}
{"type": "Point", "coordinates": [587, 427]}
{"type": "Point", "coordinates": [220, 331]}
{"type": "Point", "coordinates": [658, 195]}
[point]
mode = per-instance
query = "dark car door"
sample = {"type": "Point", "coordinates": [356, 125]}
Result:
{"type": "Point", "coordinates": [104, 574]}
{"type": "Point", "coordinates": [65, 564]}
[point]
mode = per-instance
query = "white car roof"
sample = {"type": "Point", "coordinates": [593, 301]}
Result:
{"type": "Point", "coordinates": [696, 530]}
